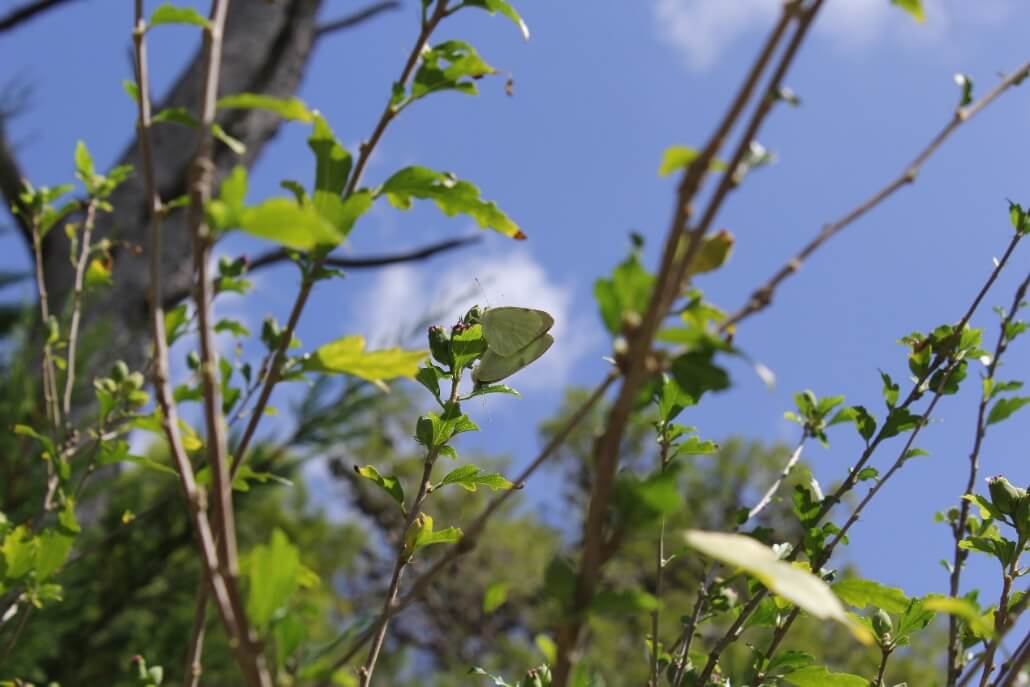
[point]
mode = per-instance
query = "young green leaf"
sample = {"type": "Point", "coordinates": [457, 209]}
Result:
{"type": "Point", "coordinates": [819, 676]}
{"type": "Point", "coordinates": [505, 8]}
{"type": "Point", "coordinates": [470, 477]}
{"type": "Point", "coordinates": [679, 157]}
{"type": "Point", "coordinates": [288, 108]}
{"type": "Point", "coordinates": [391, 485]}
{"type": "Point", "coordinates": [283, 221]}
{"type": "Point", "coordinates": [862, 593]}
{"type": "Point", "coordinates": [495, 596]}
{"type": "Point", "coordinates": [450, 194]}
{"type": "Point", "coordinates": [168, 13]}
{"type": "Point", "coordinates": [913, 7]}
{"type": "Point", "coordinates": [1005, 407]}
{"type": "Point", "coordinates": [348, 356]}
{"type": "Point", "coordinates": [274, 573]}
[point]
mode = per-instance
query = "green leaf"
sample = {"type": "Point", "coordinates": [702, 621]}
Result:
{"type": "Point", "coordinates": [679, 157]}
{"type": "Point", "coordinates": [450, 194]}
{"type": "Point", "coordinates": [288, 108]}
{"type": "Point", "coordinates": [283, 221]}
{"type": "Point", "coordinates": [170, 14]}
{"type": "Point", "coordinates": [332, 166]}
{"type": "Point", "coordinates": [504, 8]}
{"type": "Point", "coordinates": [426, 536]}
{"type": "Point", "coordinates": [233, 144]}
{"type": "Point", "coordinates": [913, 7]}
{"type": "Point", "coordinates": [497, 680]}
{"type": "Point", "coordinates": [696, 374]}
{"type": "Point", "coordinates": [623, 602]}
{"type": "Point", "coordinates": [176, 115]}
{"type": "Point", "coordinates": [900, 420]}
{"type": "Point", "coordinates": [274, 572]}
{"type": "Point", "coordinates": [470, 477]}
{"type": "Point", "coordinates": [84, 168]}
{"type": "Point", "coordinates": [492, 389]}
{"type": "Point", "coordinates": [788, 662]}
{"type": "Point", "coordinates": [451, 65]}
{"type": "Point", "coordinates": [98, 273]}
{"type": "Point", "coordinates": [1004, 407]}
{"type": "Point", "coordinates": [391, 485]}
{"type": "Point", "coordinates": [467, 346]}
{"type": "Point", "coordinates": [348, 356]}
{"type": "Point", "coordinates": [794, 584]}
{"type": "Point", "coordinates": [862, 593]}
{"type": "Point", "coordinates": [963, 608]}
{"type": "Point", "coordinates": [19, 552]}
{"type": "Point", "coordinates": [625, 295]}
{"type": "Point", "coordinates": [132, 89]}
{"type": "Point", "coordinates": [175, 323]}
{"type": "Point", "coordinates": [52, 552]}
{"type": "Point", "coordinates": [819, 676]}
{"type": "Point", "coordinates": [495, 596]}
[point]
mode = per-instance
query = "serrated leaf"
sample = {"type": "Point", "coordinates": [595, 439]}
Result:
{"type": "Point", "coordinates": [171, 14]}
{"type": "Point", "coordinates": [505, 8]}
{"type": "Point", "coordinates": [819, 676]}
{"type": "Point", "coordinates": [470, 477]}
{"type": "Point", "coordinates": [679, 157]}
{"type": "Point", "coordinates": [862, 593]}
{"type": "Point", "coordinates": [1005, 407]}
{"type": "Point", "coordinates": [450, 194]}
{"type": "Point", "coordinates": [348, 356]}
{"type": "Point", "coordinates": [288, 108]}
{"type": "Point", "coordinates": [391, 485]}
{"type": "Point", "coordinates": [283, 221]}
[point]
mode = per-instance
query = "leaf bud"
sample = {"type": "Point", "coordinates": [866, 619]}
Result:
{"type": "Point", "coordinates": [882, 624]}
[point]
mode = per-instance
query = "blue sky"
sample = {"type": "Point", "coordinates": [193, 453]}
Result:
{"type": "Point", "coordinates": [600, 90]}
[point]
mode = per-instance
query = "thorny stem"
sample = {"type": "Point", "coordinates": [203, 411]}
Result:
{"type": "Point", "coordinates": [249, 659]}
{"type": "Point", "coordinates": [959, 526]}
{"type": "Point", "coordinates": [278, 357]}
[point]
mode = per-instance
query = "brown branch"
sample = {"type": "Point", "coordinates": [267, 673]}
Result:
{"type": "Point", "coordinates": [356, 18]}
{"type": "Point", "coordinates": [762, 296]}
{"type": "Point", "coordinates": [959, 526]}
{"type": "Point", "coordinates": [668, 284]}
{"type": "Point", "coordinates": [169, 414]}
{"type": "Point", "coordinates": [367, 262]}
{"type": "Point", "coordinates": [20, 15]}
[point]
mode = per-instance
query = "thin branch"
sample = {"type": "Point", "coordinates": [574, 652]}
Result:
{"type": "Point", "coordinates": [775, 487]}
{"type": "Point", "coordinates": [73, 331]}
{"type": "Point", "coordinates": [356, 18]}
{"type": "Point", "coordinates": [367, 262]}
{"type": "Point", "coordinates": [885, 654]}
{"type": "Point", "coordinates": [403, 554]}
{"type": "Point", "coordinates": [1015, 664]}
{"type": "Point", "coordinates": [473, 531]}
{"type": "Point", "coordinates": [959, 527]}
{"type": "Point", "coordinates": [762, 296]}
{"type": "Point", "coordinates": [169, 413]}
{"type": "Point", "coordinates": [20, 15]}
{"type": "Point", "coordinates": [218, 452]}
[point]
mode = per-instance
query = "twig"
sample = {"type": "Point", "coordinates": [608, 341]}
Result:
{"type": "Point", "coordinates": [356, 18]}
{"type": "Point", "coordinates": [775, 487]}
{"type": "Point", "coordinates": [20, 15]}
{"type": "Point", "coordinates": [885, 654]}
{"type": "Point", "coordinates": [762, 296]}
{"type": "Point", "coordinates": [403, 554]}
{"type": "Point", "coordinates": [195, 655]}
{"type": "Point", "coordinates": [49, 374]}
{"type": "Point", "coordinates": [959, 527]}
{"type": "Point", "coordinates": [370, 261]}
{"type": "Point", "coordinates": [17, 633]}
{"type": "Point", "coordinates": [247, 660]}
{"type": "Point", "coordinates": [476, 527]}
{"type": "Point", "coordinates": [663, 458]}
{"type": "Point", "coordinates": [1015, 664]}
{"type": "Point", "coordinates": [73, 331]}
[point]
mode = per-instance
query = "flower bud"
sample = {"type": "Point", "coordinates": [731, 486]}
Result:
{"type": "Point", "coordinates": [440, 346]}
{"type": "Point", "coordinates": [882, 624]}
{"type": "Point", "coordinates": [1006, 498]}
{"type": "Point", "coordinates": [120, 371]}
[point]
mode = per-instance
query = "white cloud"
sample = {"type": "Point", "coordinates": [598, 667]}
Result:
{"type": "Point", "coordinates": [702, 30]}
{"type": "Point", "coordinates": [405, 294]}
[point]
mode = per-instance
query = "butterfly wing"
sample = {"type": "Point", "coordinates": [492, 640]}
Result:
{"type": "Point", "coordinates": [509, 329]}
{"type": "Point", "coordinates": [493, 367]}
